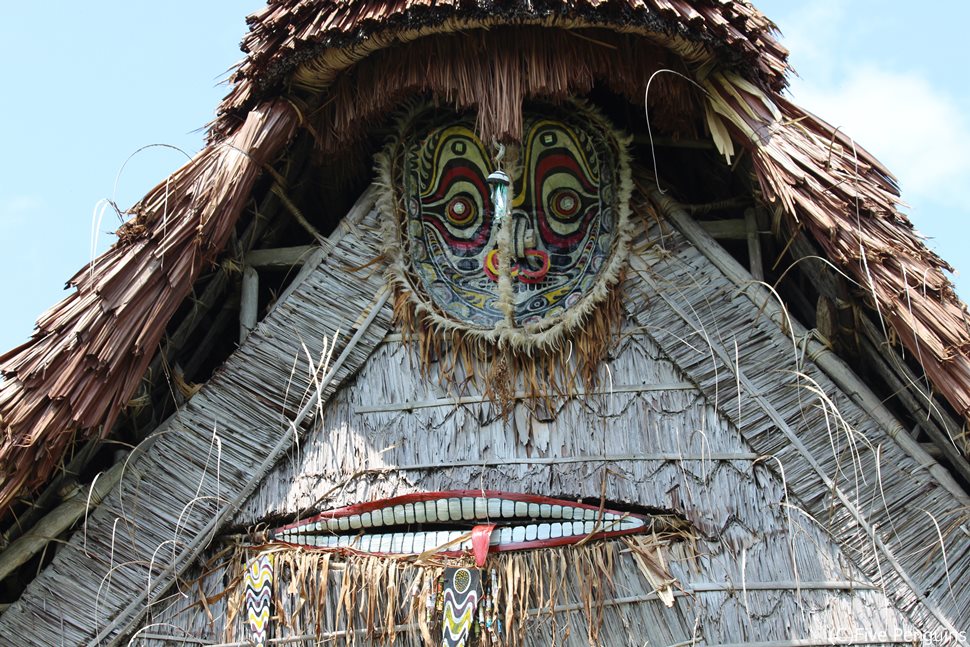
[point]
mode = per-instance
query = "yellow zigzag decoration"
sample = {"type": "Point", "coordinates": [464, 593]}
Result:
{"type": "Point", "coordinates": [259, 596]}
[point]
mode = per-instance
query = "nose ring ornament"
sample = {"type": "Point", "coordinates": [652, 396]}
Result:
{"type": "Point", "coordinates": [535, 258]}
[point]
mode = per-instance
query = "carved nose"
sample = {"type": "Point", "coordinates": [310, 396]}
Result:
{"type": "Point", "coordinates": [533, 264]}
{"type": "Point", "coordinates": [523, 235]}
{"type": "Point", "coordinates": [529, 265]}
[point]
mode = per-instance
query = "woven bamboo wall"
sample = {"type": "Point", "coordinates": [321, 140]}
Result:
{"type": "Point", "coordinates": [663, 431]}
{"type": "Point", "coordinates": [707, 409]}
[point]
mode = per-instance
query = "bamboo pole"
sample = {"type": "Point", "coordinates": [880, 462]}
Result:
{"type": "Point", "coordinates": [729, 204]}
{"type": "Point", "coordinates": [59, 520]}
{"type": "Point", "coordinates": [278, 258]}
{"type": "Point", "coordinates": [670, 142]}
{"type": "Point", "coordinates": [688, 591]}
{"type": "Point", "coordinates": [755, 262]}
{"type": "Point", "coordinates": [918, 403]}
{"type": "Point", "coordinates": [219, 327]}
{"type": "Point", "coordinates": [248, 302]}
{"type": "Point", "coordinates": [567, 460]}
{"type": "Point", "coordinates": [524, 395]}
{"type": "Point", "coordinates": [734, 229]}
{"type": "Point", "coordinates": [53, 491]}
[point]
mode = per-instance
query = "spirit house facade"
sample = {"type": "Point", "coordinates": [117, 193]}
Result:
{"type": "Point", "coordinates": [498, 324]}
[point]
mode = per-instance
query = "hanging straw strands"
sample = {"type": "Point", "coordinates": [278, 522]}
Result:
{"type": "Point", "coordinates": [315, 39]}
{"type": "Point", "coordinates": [494, 72]}
{"type": "Point", "coordinates": [383, 600]}
{"type": "Point", "coordinates": [462, 360]}
{"type": "Point", "coordinates": [824, 183]}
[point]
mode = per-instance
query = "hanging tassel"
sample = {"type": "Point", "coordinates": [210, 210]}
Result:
{"type": "Point", "coordinates": [462, 591]}
{"type": "Point", "coordinates": [481, 535]}
{"type": "Point", "coordinates": [259, 597]}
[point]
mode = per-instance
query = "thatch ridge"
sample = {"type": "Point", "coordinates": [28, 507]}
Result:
{"type": "Point", "coordinates": [287, 33]}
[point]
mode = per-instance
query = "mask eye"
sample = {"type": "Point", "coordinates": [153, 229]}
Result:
{"type": "Point", "coordinates": [564, 203]}
{"type": "Point", "coordinates": [460, 211]}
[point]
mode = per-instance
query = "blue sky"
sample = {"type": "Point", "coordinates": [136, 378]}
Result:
{"type": "Point", "coordinates": [87, 86]}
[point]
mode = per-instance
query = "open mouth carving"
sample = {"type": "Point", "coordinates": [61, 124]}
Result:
{"type": "Point", "coordinates": [457, 522]}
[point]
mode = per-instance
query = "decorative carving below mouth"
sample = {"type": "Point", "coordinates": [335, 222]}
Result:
{"type": "Point", "coordinates": [457, 522]}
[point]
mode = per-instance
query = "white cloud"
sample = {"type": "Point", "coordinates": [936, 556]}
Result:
{"type": "Point", "coordinates": [17, 209]}
{"type": "Point", "coordinates": [917, 131]}
{"type": "Point", "coordinates": [811, 32]}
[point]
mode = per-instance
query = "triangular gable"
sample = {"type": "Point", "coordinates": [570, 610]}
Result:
{"type": "Point", "coordinates": [733, 425]}
{"type": "Point", "coordinates": [847, 464]}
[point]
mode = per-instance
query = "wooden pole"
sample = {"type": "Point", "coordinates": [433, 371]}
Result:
{"type": "Point", "coordinates": [248, 302]}
{"type": "Point", "coordinates": [58, 520]}
{"type": "Point", "coordinates": [53, 492]}
{"type": "Point", "coordinates": [754, 245]}
{"type": "Point", "coordinates": [734, 229]}
{"type": "Point", "coordinates": [279, 258]}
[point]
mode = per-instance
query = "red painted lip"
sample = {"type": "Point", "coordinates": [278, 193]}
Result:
{"type": "Point", "coordinates": [443, 521]}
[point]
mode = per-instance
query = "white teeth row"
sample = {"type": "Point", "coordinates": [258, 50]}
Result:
{"type": "Point", "coordinates": [419, 542]}
{"type": "Point", "coordinates": [404, 543]}
{"type": "Point", "coordinates": [458, 509]}
{"type": "Point", "coordinates": [544, 531]}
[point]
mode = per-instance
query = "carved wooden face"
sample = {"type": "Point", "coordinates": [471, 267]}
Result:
{"type": "Point", "coordinates": [565, 215]}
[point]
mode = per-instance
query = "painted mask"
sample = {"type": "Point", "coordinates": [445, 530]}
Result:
{"type": "Point", "coordinates": [566, 223]}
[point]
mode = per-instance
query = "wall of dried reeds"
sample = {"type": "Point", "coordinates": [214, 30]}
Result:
{"type": "Point", "coordinates": [679, 426]}
{"type": "Point", "coordinates": [810, 518]}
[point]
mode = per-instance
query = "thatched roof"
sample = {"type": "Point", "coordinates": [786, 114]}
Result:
{"type": "Point", "coordinates": [85, 361]}
{"type": "Point", "coordinates": [330, 35]}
